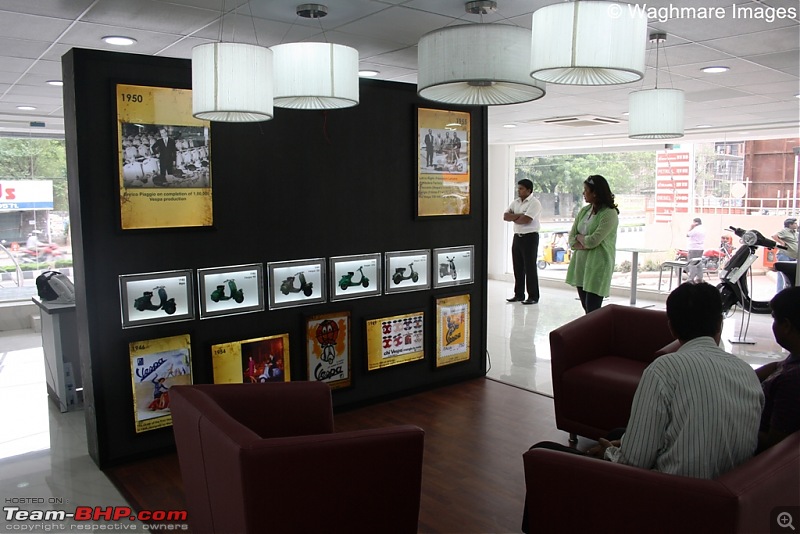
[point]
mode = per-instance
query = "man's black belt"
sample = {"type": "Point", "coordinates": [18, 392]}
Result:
{"type": "Point", "coordinates": [523, 235]}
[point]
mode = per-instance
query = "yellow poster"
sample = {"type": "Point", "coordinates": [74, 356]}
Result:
{"type": "Point", "coordinates": [252, 361]}
{"type": "Point", "coordinates": [443, 176]}
{"type": "Point", "coordinates": [452, 330]}
{"type": "Point", "coordinates": [395, 340]}
{"type": "Point", "coordinates": [156, 366]}
{"type": "Point", "coordinates": [164, 155]}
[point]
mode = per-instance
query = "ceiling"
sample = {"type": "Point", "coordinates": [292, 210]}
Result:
{"type": "Point", "coordinates": [754, 99]}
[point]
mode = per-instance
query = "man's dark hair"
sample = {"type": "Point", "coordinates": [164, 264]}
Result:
{"type": "Point", "coordinates": [527, 184]}
{"type": "Point", "coordinates": [786, 306]}
{"type": "Point", "coordinates": [694, 310]}
{"type": "Point", "coordinates": [599, 186]}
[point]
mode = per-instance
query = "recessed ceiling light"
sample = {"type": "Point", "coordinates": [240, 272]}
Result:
{"type": "Point", "coordinates": [119, 40]}
{"type": "Point", "coordinates": [703, 126]}
{"type": "Point", "coordinates": [715, 69]}
{"type": "Point", "coordinates": [797, 95]}
{"type": "Point", "coordinates": [26, 108]}
{"type": "Point", "coordinates": [587, 134]}
{"type": "Point", "coordinates": [626, 114]}
{"type": "Point", "coordinates": [509, 126]}
{"type": "Point", "coordinates": [368, 73]}
{"type": "Point", "coordinates": [57, 83]}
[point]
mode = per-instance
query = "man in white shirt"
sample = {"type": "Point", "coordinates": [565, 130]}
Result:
{"type": "Point", "coordinates": [524, 212]}
{"type": "Point", "coordinates": [697, 240]}
{"type": "Point", "coordinates": [696, 412]}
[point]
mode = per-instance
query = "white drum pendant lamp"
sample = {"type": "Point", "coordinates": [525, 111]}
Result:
{"type": "Point", "coordinates": [477, 64]}
{"type": "Point", "coordinates": [655, 114]}
{"type": "Point", "coordinates": [315, 76]}
{"type": "Point", "coordinates": [232, 82]}
{"type": "Point", "coordinates": [588, 43]}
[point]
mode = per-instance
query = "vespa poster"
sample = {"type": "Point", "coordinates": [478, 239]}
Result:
{"type": "Point", "coordinates": [452, 330]}
{"type": "Point", "coordinates": [328, 349]}
{"type": "Point", "coordinates": [156, 366]}
{"type": "Point", "coordinates": [395, 340]}
{"type": "Point", "coordinates": [443, 175]}
{"type": "Point", "coordinates": [252, 361]}
{"type": "Point", "coordinates": [164, 159]}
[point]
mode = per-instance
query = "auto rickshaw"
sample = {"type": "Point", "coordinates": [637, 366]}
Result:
{"type": "Point", "coordinates": [556, 252]}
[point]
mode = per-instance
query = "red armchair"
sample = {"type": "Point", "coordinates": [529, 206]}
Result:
{"type": "Point", "coordinates": [620, 499]}
{"type": "Point", "coordinates": [265, 458]}
{"type": "Point", "coordinates": [597, 361]}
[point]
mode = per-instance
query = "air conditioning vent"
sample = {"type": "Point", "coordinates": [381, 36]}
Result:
{"type": "Point", "coordinates": [580, 121]}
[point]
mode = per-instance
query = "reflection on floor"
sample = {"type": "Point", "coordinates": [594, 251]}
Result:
{"type": "Point", "coordinates": [519, 344]}
{"type": "Point", "coordinates": [43, 453]}
{"type": "Point", "coordinates": [44, 464]}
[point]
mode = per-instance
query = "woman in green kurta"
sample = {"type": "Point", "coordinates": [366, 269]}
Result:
{"type": "Point", "coordinates": [593, 239]}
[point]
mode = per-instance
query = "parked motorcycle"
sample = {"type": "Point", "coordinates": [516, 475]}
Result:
{"type": "Point", "coordinates": [711, 258]}
{"type": "Point", "coordinates": [287, 286]}
{"type": "Point", "coordinates": [733, 286]}
{"type": "Point", "coordinates": [145, 302]}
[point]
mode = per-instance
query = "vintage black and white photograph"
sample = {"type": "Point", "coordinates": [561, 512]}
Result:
{"type": "Point", "coordinates": [161, 155]}
{"type": "Point", "coordinates": [453, 266]}
{"type": "Point", "coordinates": [231, 290]}
{"type": "Point", "coordinates": [296, 283]}
{"type": "Point", "coordinates": [356, 276]}
{"type": "Point", "coordinates": [407, 270]}
{"type": "Point", "coordinates": [155, 298]}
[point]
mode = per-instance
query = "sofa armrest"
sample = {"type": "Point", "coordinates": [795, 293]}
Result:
{"type": "Point", "coordinates": [619, 498]}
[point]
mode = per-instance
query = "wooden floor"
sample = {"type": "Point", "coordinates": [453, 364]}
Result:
{"type": "Point", "coordinates": [475, 434]}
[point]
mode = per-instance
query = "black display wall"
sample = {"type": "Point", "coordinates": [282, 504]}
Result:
{"type": "Point", "coordinates": [305, 184]}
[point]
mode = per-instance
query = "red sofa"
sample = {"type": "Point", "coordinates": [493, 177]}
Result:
{"type": "Point", "coordinates": [264, 458]}
{"type": "Point", "coordinates": [569, 493]}
{"type": "Point", "coordinates": [597, 361]}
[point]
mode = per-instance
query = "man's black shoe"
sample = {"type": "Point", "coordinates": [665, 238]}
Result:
{"type": "Point", "coordinates": [530, 301]}
{"type": "Point", "coordinates": [515, 299]}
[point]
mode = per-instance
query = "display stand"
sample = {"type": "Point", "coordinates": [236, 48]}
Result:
{"type": "Point", "coordinates": [61, 356]}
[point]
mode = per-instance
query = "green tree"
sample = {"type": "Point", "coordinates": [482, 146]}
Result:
{"type": "Point", "coordinates": [36, 159]}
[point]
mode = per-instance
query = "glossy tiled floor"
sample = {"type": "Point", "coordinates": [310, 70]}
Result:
{"type": "Point", "coordinates": [518, 336]}
{"type": "Point", "coordinates": [43, 452]}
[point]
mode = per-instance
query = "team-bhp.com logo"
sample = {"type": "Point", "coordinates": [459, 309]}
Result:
{"type": "Point", "coordinates": [155, 519]}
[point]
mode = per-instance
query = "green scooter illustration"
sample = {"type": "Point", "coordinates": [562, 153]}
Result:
{"type": "Point", "coordinates": [236, 294]}
{"type": "Point", "coordinates": [287, 286]}
{"type": "Point", "coordinates": [145, 301]}
{"type": "Point", "coordinates": [347, 279]}
{"type": "Point", "coordinates": [398, 275]}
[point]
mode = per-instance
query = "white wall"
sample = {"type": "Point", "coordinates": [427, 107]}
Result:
{"type": "Point", "coordinates": [501, 174]}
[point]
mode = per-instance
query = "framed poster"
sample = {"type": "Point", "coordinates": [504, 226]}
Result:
{"type": "Point", "coordinates": [156, 366]}
{"type": "Point", "coordinates": [395, 340]}
{"type": "Point", "coordinates": [452, 330]}
{"type": "Point", "coordinates": [453, 266]}
{"type": "Point", "coordinates": [296, 283]}
{"type": "Point", "coordinates": [354, 277]}
{"type": "Point", "coordinates": [443, 175]}
{"type": "Point", "coordinates": [231, 290]}
{"type": "Point", "coordinates": [407, 270]}
{"type": "Point", "coordinates": [164, 159]}
{"type": "Point", "coordinates": [252, 361]}
{"type": "Point", "coordinates": [328, 349]}
{"type": "Point", "coordinates": [155, 298]}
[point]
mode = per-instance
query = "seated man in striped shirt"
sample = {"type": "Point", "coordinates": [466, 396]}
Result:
{"type": "Point", "coordinates": [696, 411]}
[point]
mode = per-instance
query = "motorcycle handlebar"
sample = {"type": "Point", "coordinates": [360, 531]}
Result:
{"type": "Point", "coordinates": [758, 239]}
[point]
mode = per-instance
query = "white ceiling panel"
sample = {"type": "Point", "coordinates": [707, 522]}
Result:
{"type": "Point", "coordinates": [757, 92]}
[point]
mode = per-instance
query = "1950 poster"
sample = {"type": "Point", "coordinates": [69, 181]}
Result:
{"type": "Point", "coordinates": [164, 159]}
{"type": "Point", "coordinates": [443, 176]}
{"type": "Point", "coordinates": [156, 366]}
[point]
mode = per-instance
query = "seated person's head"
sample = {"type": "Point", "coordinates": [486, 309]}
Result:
{"type": "Point", "coordinates": [785, 308]}
{"type": "Point", "coordinates": [695, 310]}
